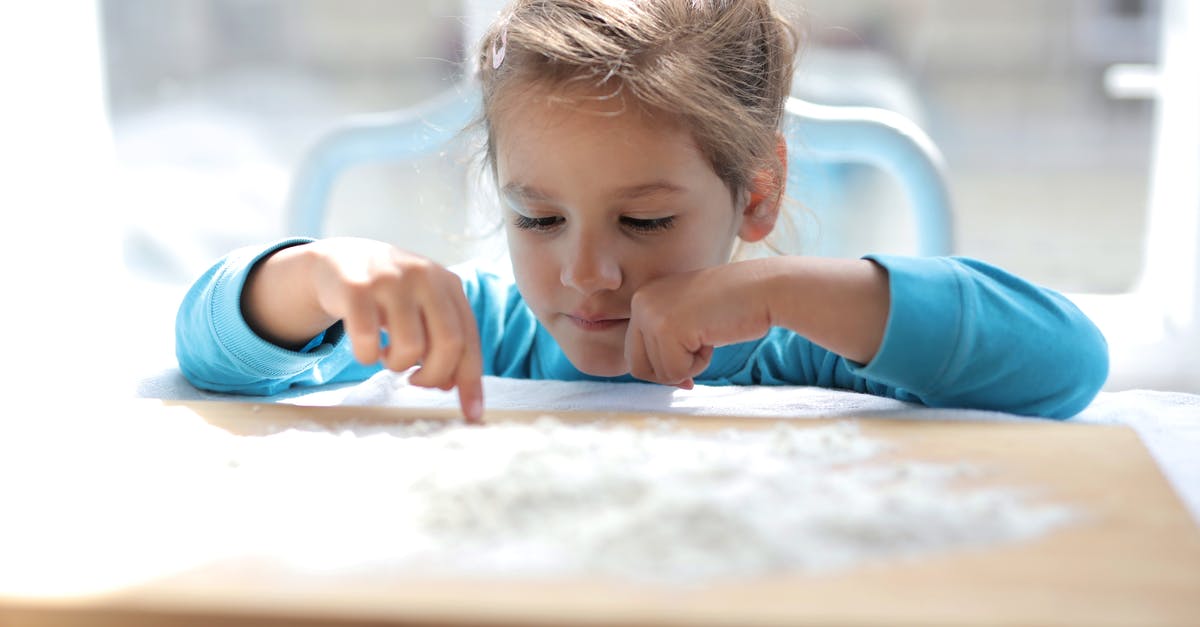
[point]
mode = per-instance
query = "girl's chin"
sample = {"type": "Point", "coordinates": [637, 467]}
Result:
{"type": "Point", "coordinates": [589, 365]}
{"type": "Point", "coordinates": [594, 354]}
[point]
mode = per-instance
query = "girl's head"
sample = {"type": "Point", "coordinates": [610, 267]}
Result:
{"type": "Point", "coordinates": [630, 139]}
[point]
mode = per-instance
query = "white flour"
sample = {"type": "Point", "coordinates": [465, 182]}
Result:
{"type": "Point", "coordinates": [657, 504]}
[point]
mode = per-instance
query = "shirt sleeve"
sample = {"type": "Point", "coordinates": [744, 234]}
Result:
{"type": "Point", "coordinates": [960, 333]}
{"type": "Point", "coordinates": [218, 351]}
{"type": "Point", "coordinates": [963, 333]}
{"type": "Point", "coordinates": [507, 328]}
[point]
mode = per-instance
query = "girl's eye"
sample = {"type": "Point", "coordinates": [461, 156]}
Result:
{"type": "Point", "coordinates": [527, 223]}
{"type": "Point", "coordinates": [647, 226]}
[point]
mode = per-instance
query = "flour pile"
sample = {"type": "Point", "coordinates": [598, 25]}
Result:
{"type": "Point", "coordinates": [656, 504]}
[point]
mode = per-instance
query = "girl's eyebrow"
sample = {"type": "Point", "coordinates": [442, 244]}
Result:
{"type": "Point", "coordinates": [527, 192]}
{"type": "Point", "coordinates": [647, 189]}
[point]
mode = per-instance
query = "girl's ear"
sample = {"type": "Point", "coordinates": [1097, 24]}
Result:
{"type": "Point", "coordinates": [766, 197]}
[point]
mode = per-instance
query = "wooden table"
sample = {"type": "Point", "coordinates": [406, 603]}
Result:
{"type": "Point", "coordinates": [1134, 561]}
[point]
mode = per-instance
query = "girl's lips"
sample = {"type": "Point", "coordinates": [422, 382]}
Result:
{"type": "Point", "coordinates": [596, 324]}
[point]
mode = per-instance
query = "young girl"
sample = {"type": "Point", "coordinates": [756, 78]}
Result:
{"type": "Point", "coordinates": [634, 143]}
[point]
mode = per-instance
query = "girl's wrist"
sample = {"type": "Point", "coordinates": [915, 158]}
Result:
{"type": "Point", "coordinates": [840, 304]}
{"type": "Point", "coordinates": [279, 300]}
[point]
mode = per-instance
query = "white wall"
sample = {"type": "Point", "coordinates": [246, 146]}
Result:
{"type": "Point", "coordinates": [1154, 330]}
{"type": "Point", "coordinates": [60, 251]}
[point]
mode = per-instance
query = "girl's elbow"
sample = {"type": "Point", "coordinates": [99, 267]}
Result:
{"type": "Point", "coordinates": [1057, 384]}
{"type": "Point", "coordinates": [1085, 372]}
{"type": "Point", "coordinates": [210, 376]}
{"type": "Point", "coordinates": [219, 383]}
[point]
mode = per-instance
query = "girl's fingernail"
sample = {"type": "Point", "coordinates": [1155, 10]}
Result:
{"type": "Point", "coordinates": [475, 411]}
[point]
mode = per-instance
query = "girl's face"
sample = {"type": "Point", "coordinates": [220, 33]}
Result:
{"type": "Point", "coordinates": [597, 203]}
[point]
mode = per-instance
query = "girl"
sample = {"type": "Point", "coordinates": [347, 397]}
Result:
{"type": "Point", "coordinates": [634, 144]}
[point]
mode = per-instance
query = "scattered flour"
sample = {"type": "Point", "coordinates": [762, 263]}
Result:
{"type": "Point", "coordinates": [658, 504]}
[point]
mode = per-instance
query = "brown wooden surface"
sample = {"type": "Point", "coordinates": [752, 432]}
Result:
{"type": "Point", "coordinates": [1134, 561]}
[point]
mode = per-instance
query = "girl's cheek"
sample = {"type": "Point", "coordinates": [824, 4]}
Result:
{"type": "Point", "coordinates": [533, 265]}
{"type": "Point", "coordinates": [519, 245]}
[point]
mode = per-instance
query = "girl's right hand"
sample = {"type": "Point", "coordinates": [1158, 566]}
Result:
{"type": "Point", "coordinates": [372, 286]}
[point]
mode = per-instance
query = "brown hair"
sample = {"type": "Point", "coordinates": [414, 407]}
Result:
{"type": "Point", "coordinates": [723, 68]}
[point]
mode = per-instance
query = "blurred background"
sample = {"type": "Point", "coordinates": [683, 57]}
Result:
{"type": "Point", "coordinates": [213, 102]}
{"type": "Point", "coordinates": [1044, 112]}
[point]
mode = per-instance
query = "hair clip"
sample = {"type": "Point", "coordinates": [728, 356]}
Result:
{"type": "Point", "coordinates": [498, 55]}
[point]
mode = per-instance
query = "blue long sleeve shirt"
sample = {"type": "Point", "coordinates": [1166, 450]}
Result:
{"type": "Point", "coordinates": [960, 333]}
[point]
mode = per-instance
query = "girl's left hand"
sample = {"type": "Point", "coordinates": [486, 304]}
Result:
{"type": "Point", "coordinates": [675, 321]}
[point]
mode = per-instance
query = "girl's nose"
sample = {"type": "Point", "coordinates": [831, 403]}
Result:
{"type": "Point", "coordinates": [589, 267]}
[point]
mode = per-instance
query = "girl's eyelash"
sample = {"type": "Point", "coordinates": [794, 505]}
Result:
{"type": "Point", "coordinates": [527, 223]}
{"type": "Point", "coordinates": [646, 226]}
{"type": "Point", "coordinates": [535, 224]}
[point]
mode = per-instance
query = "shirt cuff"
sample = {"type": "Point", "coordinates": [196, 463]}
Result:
{"type": "Point", "coordinates": [923, 327]}
{"type": "Point", "coordinates": [238, 340]}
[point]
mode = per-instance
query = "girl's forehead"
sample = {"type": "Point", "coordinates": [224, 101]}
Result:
{"type": "Point", "coordinates": [580, 156]}
{"type": "Point", "coordinates": [542, 138]}
{"type": "Point", "coordinates": [549, 130]}
{"type": "Point", "coordinates": [531, 101]}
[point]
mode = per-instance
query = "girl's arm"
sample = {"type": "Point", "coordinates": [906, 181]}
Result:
{"type": "Point", "coordinates": [218, 351]}
{"type": "Point", "coordinates": [279, 301]}
{"type": "Point", "coordinates": [839, 304]}
{"type": "Point", "coordinates": [253, 320]}
{"type": "Point", "coordinates": [676, 320]}
{"type": "Point", "coordinates": [948, 332]}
